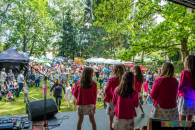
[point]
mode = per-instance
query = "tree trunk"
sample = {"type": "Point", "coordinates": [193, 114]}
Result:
{"type": "Point", "coordinates": [142, 58]}
{"type": "Point", "coordinates": [184, 48]}
{"type": "Point", "coordinates": [33, 44]}
{"type": "Point", "coordinates": [24, 43]}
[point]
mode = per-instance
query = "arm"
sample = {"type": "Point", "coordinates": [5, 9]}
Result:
{"type": "Point", "coordinates": [75, 92]}
{"type": "Point", "coordinates": [108, 87]}
{"type": "Point", "coordinates": [95, 92]}
{"type": "Point", "coordinates": [115, 97]}
{"type": "Point", "coordinates": [136, 99]}
{"type": "Point", "coordinates": [182, 83]}
{"type": "Point", "coordinates": [155, 89]}
{"type": "Point", "coordinates": [52, 88]}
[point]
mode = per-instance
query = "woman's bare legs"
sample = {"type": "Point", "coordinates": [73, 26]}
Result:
{"type": "Point", "coordinates": [93, 123]}
{"type": "Point", "coordinates": [145, 100]}
{"type": "Point", "coordinates": [140, 106]}
{"type": "Point", "coordinates": [110, 122]}
{"type": "Point", "coordinates": [74, 105]}
{"type": "Point", "coordinates": [80, 121]}
{"type": "Point", "coordinates": [185, 118]}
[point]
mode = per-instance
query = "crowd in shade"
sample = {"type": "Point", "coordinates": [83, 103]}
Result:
{"type": "Point", "coordinates": [117, 88]}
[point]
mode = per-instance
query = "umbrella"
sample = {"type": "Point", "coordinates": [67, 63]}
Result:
{"type": "Point", "coordinates": [129, 64]}
{"type": "Point", "coordinates": [42, 61]}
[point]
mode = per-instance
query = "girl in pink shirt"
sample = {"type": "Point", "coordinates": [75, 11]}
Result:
{"type": "Point", "coordinates": [138, 81]}
{"type": "Point", "coordinates": [126, 99]}
{"type": "Point", "coordinates": [164, 92]}
{"type": "Point", "coordinates": [146, 89]}
{"type": "Point", "coordinates": [186, 94]}
{"type": "Point", "coordinates": [113, 82]}
{"type": "Point", "coordinates": [85, 93]}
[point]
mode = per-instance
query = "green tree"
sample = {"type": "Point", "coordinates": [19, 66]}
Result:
{"type": "Point", "coordinates": [173, 34]}
{"type": "Point", "coordinates": [30, 25]}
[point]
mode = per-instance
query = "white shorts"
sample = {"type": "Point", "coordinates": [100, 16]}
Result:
{"type": "Point", "coordinates": [145, 93]}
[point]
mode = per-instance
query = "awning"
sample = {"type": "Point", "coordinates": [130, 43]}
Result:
{"type": "Point", "coordinates": [187, 3]}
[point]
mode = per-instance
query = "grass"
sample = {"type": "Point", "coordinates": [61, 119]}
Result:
{"type": "Point", "coordinates": [18, 107]}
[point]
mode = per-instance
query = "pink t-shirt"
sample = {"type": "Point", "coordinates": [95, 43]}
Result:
{"type": "Point", "coordinates": [186, 86]}
{"type": "Point", "coordinates": [125, 107]}
{"type": "Point", "coordinates": [146, 89]}
{"type": "Point", "coordinates": [109, 90]}
{"type": "Point", "coordinates": [138, 85]}
{"type": "Point", "coordinates": [7, 96]}
{"type": "Point", "coordinates": [85, 96]}
{"type": "Point", "coordinates": [164, 92]}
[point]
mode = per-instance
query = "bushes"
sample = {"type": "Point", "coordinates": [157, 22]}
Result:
{"type": "Point", "coordinates": [160, 62]}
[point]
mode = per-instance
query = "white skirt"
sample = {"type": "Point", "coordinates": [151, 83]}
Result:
{"type": "Point", "coordinates": [186, 107]}
{"type": "Point", "coordinates": [122, 124]}
{"type": "Point", "coordinates": [145, 93]}
{"type": "Point", "coordinates": [68, 97]}
{"type": "Point", "coordinates": [110, 108]}
{"type": "Point", "coordinates": [160, 113]}
{"type": "Point", "coordinates": [86, 109]}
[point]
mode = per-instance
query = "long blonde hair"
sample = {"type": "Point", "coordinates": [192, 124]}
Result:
{"type": "Point", "coordinates": [167, 70]}
{"type": "Point", "coordinates": [119, 70]}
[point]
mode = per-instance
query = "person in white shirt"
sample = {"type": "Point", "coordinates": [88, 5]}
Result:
{"type": "Point", "coordinates": [155, 75]}
{"type": "Point", "coordinates": [3, 77]}
{"type": "Point", "coordinates": [67, 95]}
{"type": "Point", "coordinates": [177, 77]}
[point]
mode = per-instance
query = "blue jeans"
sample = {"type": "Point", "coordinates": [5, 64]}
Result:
{"type": "Point", "coordinates": [99, 99]}
{"type": "Point", "coordinates": [13, 91]}
{"type": "Point", "coordinates": [37, 83]}
{"type": "Point", "coordinates": [20, 88]}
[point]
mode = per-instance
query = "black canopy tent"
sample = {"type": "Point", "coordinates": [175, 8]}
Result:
{"type": "Point", "coordinates": [10, 59]}
{"type": "Point", "coordinates": [187, 3]}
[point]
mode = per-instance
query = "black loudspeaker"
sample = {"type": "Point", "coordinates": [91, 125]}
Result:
{"type": "Point", "coordinates": [35, 110]}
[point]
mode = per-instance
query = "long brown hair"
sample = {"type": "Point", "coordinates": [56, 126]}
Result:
{"type": "Point", "coordinates": [119, 70]}
{"type": "Point", "coordinates": [126, 87]}
{"type": "Point", "coordinates": [139, 75]}
{"type": "Point", "coordinates": [167, 70]}
{"type": "Point", "coordinates": [191, 66]}
{"type": "Point", "coordinates": [86, 79]}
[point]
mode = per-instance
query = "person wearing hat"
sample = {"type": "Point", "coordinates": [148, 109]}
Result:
{"type": "Point", "coordinates": [3, 77]}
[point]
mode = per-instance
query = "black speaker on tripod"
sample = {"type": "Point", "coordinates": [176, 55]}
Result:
{"type": "Point", "coordinates": [35, 110]}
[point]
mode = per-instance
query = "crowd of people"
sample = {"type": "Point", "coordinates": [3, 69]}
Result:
{"type": "Point", "coordinates": [121, 89]}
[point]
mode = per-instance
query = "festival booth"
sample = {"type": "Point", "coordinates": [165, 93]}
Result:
{"type": "Point", "coordinates": [11, 59]}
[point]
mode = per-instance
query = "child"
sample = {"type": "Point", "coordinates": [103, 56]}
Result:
{"type": "Point", "coordinates": [73, 98]}
{"type": "Point", "coordinates": [67, 95]}
{"type": "Point", "coordinates": [104, 103]}
{"type": "Point", "coordinates": [146, 89]}
{"type": "Point", "coordinates": [99, 94]}
{"type": "Point", "coordinates": [94, 78]}
{"type": "Point", "coordinates": [150, 82]}
{"type": "Point", "coordinates": [71, 81]}
{"type": "Point", "coordinates": [12, 88]}
{"type": "Point", "coordinates": [149, 100]}
{"type": "Point", "coordinates": [105, 86]}
{"type": "Point", "coordinates": [9, 97]}
{"type": "Point", "coordinates": [44, 88]}
{"type": "Point", "coordinates": [141, 101]}
{"type": "Point", "coordinates": [177, 77]}
{"type": "Point", "coordinates": [86, 94]}
{"type": "Point", "coordinates": [37, 80]}
{"type": "Point", "coordinates": [25, 91]}
{"type": "Point", "coordinates": [125, 97]}
{"type": "Point", "coordinates": [105, 80]}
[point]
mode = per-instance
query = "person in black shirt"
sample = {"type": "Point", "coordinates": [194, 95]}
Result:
{"type": "Point", "coordinates": [58, 92]}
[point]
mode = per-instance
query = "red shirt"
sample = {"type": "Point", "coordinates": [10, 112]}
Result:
{"type": "Point", "coordinates": [138, 85]}
{"type": "Point", "coordinates": [74, 68]}
{"type": "Point", "coordinates": [164, 92]}
{"type": "Point", "coordinates": [109, 91]}
{"type": "Point", "coordinates": [85, 96]}
{"type": "Point", "coordinates": [186, 86]}
{"type": "Point", "coordinates": [125, 107]}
